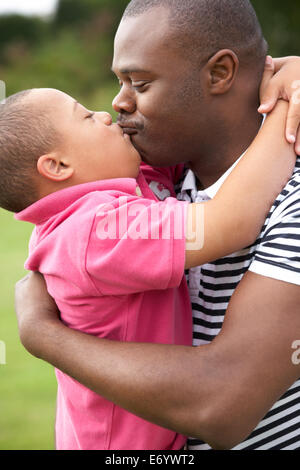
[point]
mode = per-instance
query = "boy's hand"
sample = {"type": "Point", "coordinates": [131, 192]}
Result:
{"type": "Point", "coordinates": [35, 311]}
{"type": "Point", "coordinates": [281, 80]}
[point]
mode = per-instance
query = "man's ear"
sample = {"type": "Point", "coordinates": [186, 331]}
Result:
{"type": "Point", "coordinates": [221, 70]}
{"type": "Point", "coordinates": [52, 167]}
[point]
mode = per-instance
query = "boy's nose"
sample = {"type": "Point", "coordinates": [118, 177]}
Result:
{"type": "Point", "coordinates": [105, 118]}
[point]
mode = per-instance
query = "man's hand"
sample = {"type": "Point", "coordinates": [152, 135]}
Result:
{"type": "Point", "coordinates": [35, 310]}
{"type": "Point", "coordinates": [281, 80]}
{"type": "Point", "coordinates": [178, 387]}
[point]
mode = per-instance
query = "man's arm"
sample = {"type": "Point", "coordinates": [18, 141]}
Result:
{"type": "Point", "coordinates": [218, 392]}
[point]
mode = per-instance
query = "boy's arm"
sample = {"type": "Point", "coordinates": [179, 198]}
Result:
{"type": "Point", "coordinates": [282, 80]}
{"type": "Point", "coordinates": [234, 218]}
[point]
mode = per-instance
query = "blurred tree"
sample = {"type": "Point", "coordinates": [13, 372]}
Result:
{"type": "Point", "coordinates": [280, 21]}
{"type": "Point", "coordinates": [17, 29]}
{"type": "Point", "coordinates": [73, 49]}
{"type": "Point", "coordinates": [76, 12]}
{"type": "Point", "coordinates": [93, 24]}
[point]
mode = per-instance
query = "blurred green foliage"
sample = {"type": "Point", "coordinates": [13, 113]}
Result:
{"type": "Point", "coordinates": [280, 21]}
{"type": "Point", "coordinates": [71, 51]}
{"type": "Point", "coordinates": [78, 13]}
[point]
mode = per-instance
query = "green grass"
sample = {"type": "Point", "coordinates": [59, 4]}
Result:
{"type": "Point", "coordinates": [27, 385]}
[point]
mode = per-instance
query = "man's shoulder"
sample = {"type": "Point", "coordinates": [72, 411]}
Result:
{"type": "Point", "coordinates": [276, 251]}
{"type": "Point", "coordinates": [289, 199]}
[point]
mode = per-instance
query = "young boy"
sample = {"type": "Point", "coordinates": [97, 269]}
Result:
{"type": "Point", "coordinates": [113, 256]}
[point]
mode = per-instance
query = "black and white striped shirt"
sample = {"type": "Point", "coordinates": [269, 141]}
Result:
{"type": "Point", "coordinates": [275, 254]}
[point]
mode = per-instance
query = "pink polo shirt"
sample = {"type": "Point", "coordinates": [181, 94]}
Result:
{"type": "Point", "coordinates": [114, 263]}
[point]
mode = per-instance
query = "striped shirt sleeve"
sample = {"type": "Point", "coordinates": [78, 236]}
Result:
{"type": "Point", "coordinates": [278, 251]}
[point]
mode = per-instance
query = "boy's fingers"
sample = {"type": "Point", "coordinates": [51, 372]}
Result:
{"type": "Point", "coordinates": [297, 146]}
{"type": "Point", "coordinates": [293, 119]}
{"type": "Point", "coordinates": [269, 92]}
{"type": "Point", "coordinates": [292, 125]}
{"type": "Point", "coordinates": [270, 97]}
{"type": "Point", "coordinates": [269, 100]}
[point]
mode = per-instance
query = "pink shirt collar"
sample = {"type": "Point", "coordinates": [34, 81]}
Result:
{"type": "Point", "coordinates": [47, 207]}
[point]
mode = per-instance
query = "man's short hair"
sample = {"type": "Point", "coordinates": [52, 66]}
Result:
{"type": "Point", "coordinates": [203, 27]}
{"type": "Point", "coordinates": [25, 135]}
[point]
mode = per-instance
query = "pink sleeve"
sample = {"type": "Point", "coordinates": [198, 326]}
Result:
{"type": "Point", "coordinates": [168, 176]}
{"type": "Point", "coordinates": [137, 245]}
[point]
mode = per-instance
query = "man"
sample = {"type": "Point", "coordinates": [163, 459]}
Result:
{"type": "Point", "coordinates": [189, 74]}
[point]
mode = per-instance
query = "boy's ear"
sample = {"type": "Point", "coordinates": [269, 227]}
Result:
{"type": "Point", "coordinates": [221, 70]}
{"type": "Point", "coordinates": [53, 168]}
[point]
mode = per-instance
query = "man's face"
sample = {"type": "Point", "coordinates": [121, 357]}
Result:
{"type": "Point", "coordinates": [155, 104]}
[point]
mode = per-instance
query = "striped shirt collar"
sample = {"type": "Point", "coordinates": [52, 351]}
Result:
{"type": "Point", "coordinates": [190, 184]}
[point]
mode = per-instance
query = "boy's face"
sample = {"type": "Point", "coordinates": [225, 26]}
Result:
{"type": "Point", "coordinates": [90, 143]}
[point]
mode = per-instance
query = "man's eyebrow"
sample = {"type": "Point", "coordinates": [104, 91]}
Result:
{"type": "Point", "coordinates": [130, 69]}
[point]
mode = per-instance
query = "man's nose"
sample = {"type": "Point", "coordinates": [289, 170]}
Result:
{"type": "Point", "coordinates": [124, 102]}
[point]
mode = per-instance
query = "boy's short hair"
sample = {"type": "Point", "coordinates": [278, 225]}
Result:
{"type": "Point", "coordinates": [25, 135]}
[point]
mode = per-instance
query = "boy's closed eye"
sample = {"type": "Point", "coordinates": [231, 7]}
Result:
{"type": "Point", "coordinates": [89, 116]}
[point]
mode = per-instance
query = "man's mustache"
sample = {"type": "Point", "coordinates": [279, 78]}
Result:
{"type": "Point", "coordinates": [126, 124]}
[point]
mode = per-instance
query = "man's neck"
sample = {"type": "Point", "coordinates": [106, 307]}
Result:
{"type": "Point", "coordinates": [222, 152]}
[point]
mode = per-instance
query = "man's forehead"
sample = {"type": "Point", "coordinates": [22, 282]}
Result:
{"type": "Point", "coordinates": [148, 23]}
{"type": "Point", "coordinates": [138, 42]}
